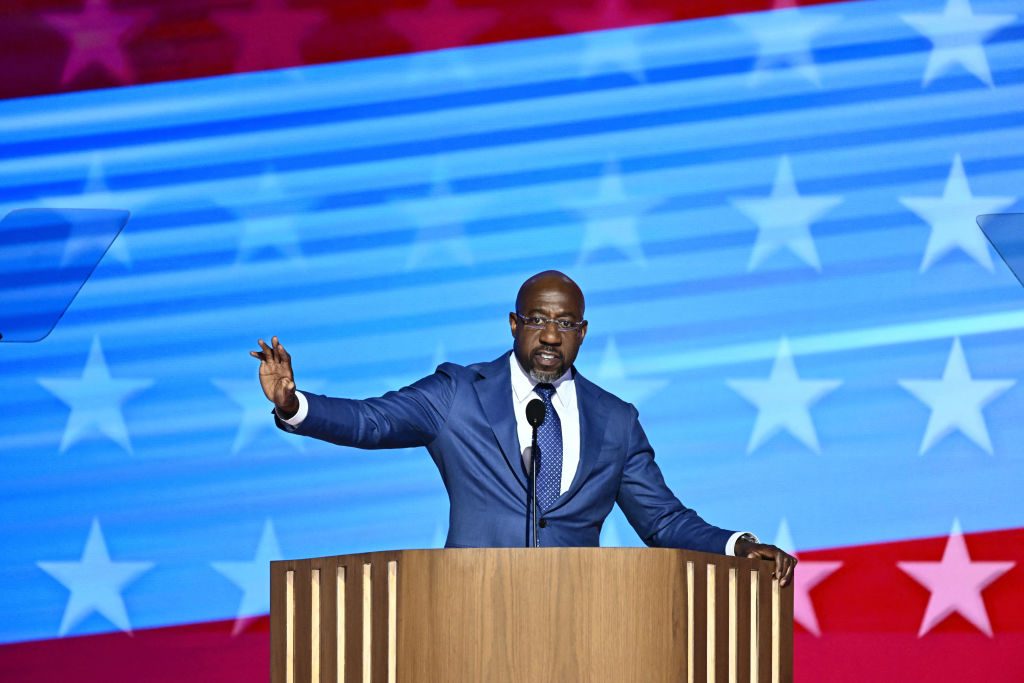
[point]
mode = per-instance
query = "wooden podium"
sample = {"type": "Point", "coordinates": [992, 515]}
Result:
{"type": "Point", "coordinates": [570, 615]}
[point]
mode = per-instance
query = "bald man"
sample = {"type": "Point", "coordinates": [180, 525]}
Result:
{"type": "Point", "coordinates": [472, 420]}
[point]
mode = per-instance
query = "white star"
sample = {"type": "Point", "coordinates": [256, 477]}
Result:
{"type": "Point", "coordinates": [957, 35]}
{"type": "Point", "coordinates": [95, 400]}
{"type": "Point", "coordinates": [253, 577]}
{"type": "Point", "coordinates": [956, 401]}
{"type": "Point", "coordinates": [784, 218]}
{"type": "Point", "coordinates": [256, 411]}
{"type": "Point", "coordinates": [953, 218]}
{"type": "Point", "coordinates": [808, 574]}
{"type": "Point", "coordinates": [268, 223]}
{"type": "Point", "coordinates": [440, 218]}
{"type": "Point", "coordinates": [783, 401]}
{"type": "Point", "coordinates": [784, 36]}
{"type": "Point", "coordinates": [95, 583]}
{"type": "Point", "coordinates": [955, 584]}
{"type": "Point", "coordinates": [611, 216]}
{"type": "Point", "coordinates": [96, 194]}
{"type": "Point", "coordinates": [611, 375]}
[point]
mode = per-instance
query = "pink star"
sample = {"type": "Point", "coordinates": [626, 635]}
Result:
{"type": "Point", "coordinates": [270, 34]}
{"type": "Point", "coordinates": [808, 575]}
{"type": "Point", "coordinates": [608, 14]}
{"type": "Point", "coordinates": [95, 35]}
{"type": "Point", "coordinates": [955, 583]}
{"type": "Point", "coordinates": [440, 24]}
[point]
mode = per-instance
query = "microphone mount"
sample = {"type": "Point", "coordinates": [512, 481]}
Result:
{"type": "Point", "coordinates": [535, 417]}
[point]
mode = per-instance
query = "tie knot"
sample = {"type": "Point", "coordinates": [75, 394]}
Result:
{"type": "Point", "coordinates": [546, 391]}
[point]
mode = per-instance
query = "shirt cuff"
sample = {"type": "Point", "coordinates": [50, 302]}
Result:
{"type": "Point", "coordinates": [299, 416]}
{"type": "Point", "coordinates": [730, 546]}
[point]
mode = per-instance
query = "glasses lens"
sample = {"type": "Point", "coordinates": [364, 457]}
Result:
{"type": "Point", "coordinates": [537, 323]}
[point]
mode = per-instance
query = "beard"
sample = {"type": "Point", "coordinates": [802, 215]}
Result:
{"type": "Point", "coordinates": [546, 377]}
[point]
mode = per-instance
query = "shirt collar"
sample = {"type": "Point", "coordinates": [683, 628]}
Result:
{"type": "Point", "coordinates": [523, 384]}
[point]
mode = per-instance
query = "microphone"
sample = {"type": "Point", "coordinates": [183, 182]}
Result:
{"type": "Point", "coordinates": [535, 413]}
{"type": "Point", "coordinates": [535, 417]}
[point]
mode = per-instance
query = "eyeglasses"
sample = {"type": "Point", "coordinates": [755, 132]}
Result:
{"type": "Point", "coordinates": [535, 322]}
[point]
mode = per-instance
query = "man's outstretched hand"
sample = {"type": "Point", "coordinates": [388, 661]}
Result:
{"type": "Point", "coordinates": [276, 377]}
{"type": "Point", "coordinates": [784, 562]}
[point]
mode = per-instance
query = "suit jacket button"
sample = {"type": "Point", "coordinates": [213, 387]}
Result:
{"type": "Point", "coordinates": [542, 523]}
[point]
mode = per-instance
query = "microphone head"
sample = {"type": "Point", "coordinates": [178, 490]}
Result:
{"type": "Point", "coordinates": [535, 412]}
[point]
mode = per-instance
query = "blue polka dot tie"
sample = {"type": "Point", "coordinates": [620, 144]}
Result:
{"type": "Point", "coordinates": [549, 443]}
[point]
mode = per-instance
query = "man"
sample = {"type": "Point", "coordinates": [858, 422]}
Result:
{"type": "Point", "coordinates": [472, 420]}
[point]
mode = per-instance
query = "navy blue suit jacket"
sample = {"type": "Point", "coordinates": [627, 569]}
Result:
{"type": "Point", "coordinates": [464, 416]}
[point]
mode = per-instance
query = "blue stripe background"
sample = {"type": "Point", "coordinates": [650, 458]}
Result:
{"type": "Point", "coordinates": [380, 217]}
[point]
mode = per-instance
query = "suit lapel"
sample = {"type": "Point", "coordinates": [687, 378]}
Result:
{"type": "Point", "coordinates": [593, 421]}
{"type": "Point", "coordinates": [494, 389]}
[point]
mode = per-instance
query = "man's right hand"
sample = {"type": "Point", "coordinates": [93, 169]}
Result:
{"type": "Point", "coordinates": [276, 377]}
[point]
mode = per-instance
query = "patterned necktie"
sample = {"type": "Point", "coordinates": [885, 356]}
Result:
{"type": "Point", "coordinates": [549, 443]}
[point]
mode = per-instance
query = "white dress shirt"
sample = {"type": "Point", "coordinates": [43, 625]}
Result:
{"type": "Point", "coordinates": [564, 403]}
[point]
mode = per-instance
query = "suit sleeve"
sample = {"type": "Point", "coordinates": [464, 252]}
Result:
{"type": "Point", "coordinates": [658, 517]}
{"type": "Point", "coordinates": [411, 416]}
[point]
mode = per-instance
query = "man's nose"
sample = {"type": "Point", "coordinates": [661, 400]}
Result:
{"type": "Point", "coordinates": [550, 334]}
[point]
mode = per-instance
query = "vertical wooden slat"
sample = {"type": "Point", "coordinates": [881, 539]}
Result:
{"type": "Point", "coordinates": [277, 622]}
{"type": "Point", "coordinates": [392, 620]}
{"type": "Point", "coordinates": [367, 644]}
{"type": "Point", "coordinates": [733, 624]}
{"type": "Point", "coordinates": [776, 631]}
{"type": "Point", "coordinates": [755, 620]}
{"type": "Point", "coordinates": [354, 620]}
{"type": "Point", "coordinates": [314, 625]}
{"type": "Point", "coordinates": [339, 591]}
{"type": "Point", "coordinates": [764, 622]}
{"type": "Point", "coordinates": [689, 622]}
{"type": "Point", "coordinates": [289, 626]}
{"type": "Point", "coordinates": [711, 621]}
{"type": "Point", "coordinates": [700, 622]}
{"type": "Point", "coordinates": [743, 618]}
{"type": "Point", "coordinates": [303, 619]}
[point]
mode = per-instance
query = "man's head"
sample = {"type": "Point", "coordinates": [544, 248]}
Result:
{"type": "Point", "coordinates": [547, 349]}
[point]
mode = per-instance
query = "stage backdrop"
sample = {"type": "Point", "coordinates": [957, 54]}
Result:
{"type": "Point", "coordinates": [771, 214]}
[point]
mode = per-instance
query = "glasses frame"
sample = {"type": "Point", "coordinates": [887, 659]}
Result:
{"type": "Point", "coordinates": [574, 326]}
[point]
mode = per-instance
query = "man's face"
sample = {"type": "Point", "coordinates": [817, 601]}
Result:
{"type": "Point", "coordinates": [547, 353]}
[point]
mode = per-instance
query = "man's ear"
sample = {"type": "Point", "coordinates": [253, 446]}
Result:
{"type": "Point", "coordinates": [513, 322]}
{"type": "Point", "coordinates": [583, 331]}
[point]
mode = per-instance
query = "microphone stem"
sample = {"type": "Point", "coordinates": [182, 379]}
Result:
{"type": "Point", "coordinates": [534, 458]}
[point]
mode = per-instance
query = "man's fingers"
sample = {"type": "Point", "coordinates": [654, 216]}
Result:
{"type": "Point", "coordinates": [787, 573]}
{"type": "Point", "coordinates": [256, 354]}
{"type": "Point", "coordinates": [282, 355]}
{"type": "Point", "coordinates": [274, 353]}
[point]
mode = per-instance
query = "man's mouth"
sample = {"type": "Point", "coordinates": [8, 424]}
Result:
{"type": "Point", "coordinates": [547, 358]}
